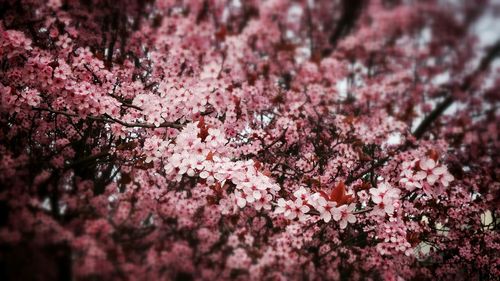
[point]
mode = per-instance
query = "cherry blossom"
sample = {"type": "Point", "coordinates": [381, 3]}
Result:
{"type": "Point", "coordinates": [344, 214]}
{"type": "Point", "coordinates": [299, 210]}
{"type": "Point", "coordinates": [432, 172]}
{"type": "Point", "coordinates": [324, 207]}
{"type": "Point", "coordinates": [249, 140]}
{"type": "Point", "coordinates": [385, 197]}
{"type": "Point", "coordinates": [425, 174]}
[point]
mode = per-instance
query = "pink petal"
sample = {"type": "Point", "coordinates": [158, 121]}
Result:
{"type": "Point", "coordinates": [439, 170]}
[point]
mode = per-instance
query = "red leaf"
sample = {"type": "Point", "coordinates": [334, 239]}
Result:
{"type": "Point", "coordinates": [433, 154]}
{"type": "Point", "coordinates": [221, 33]}
{"type": "Point", "coordinates": [203, 134]}
{"type": "Point", "coordinates": [257, 164]}
{"type": "Point", "coordinates": [267, 173]}
{"type": "Point", "coordinates": [324, 194]}
{"type": "Point", "coordinates": [237, 104]}
{"type": "Point", "coordinates": [413, 238]}
{"type": "Point", "coordinates": [210, 156]}
{"type": "Point", "coordinates": [338, 192]}
{"type": "Point", "coordinates": [339, 195]}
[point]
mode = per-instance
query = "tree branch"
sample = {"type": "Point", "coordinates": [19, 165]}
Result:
{"type": "Point", "coordinates": [89, 159]}
{"type": "Point", "coordinates": [438, 111]}
{"type": "Point", "coordinates": [350, 14]}
{"type": "Point", "coordinates": [422, 128]}
{"type": "Point", "coordinates": [110, 119]}
{"type": "Point", "coordinates": [352, 178]}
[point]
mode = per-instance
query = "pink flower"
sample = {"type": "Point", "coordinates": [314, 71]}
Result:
{"type": "Point", "coordinates": [207, 172]}
{"type": "Point", "coordinates": [410, 180]}
{"type": "Point", "coordinates": [324, 207]}
{"type": "Point", "coordinates": [384, 196]}
{"type": "Point", "coordinates": [430, 176]}
{"type": "Point", "coordinates": [302, 194]}
{"type": "Point", "coordinates": [241, 198]}
{"type": "Point", "coordinates": [263, 202]}
{"type": "Point", "coordinates": [239, 259]}
{"type": "Point", "coordinates": [292, 210]}
{"type": "Point", "coordinates": [344, 214]}
{"type": "Point", "coordinates": [430, 170]}
{"type": "Point", "coordinates": [446, 178]}
{"type": "Point", "coordinates": [299, 210]}
{"type": "Point", "coordinates": [64, 41]}
{"type": "Point", "coordinates": [283, 206]}
{"type": "Point", "coordinates": [363, 196]}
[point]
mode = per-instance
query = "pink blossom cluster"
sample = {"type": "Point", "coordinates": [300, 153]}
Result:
{"type": "Point", "coordinates": [325, 207]}
{"type": "Point", "coordinates": [426, 174]}
{"type": "Point", "coordinates": [386, 199]}
{"type": "Point", "coordinates": [210, 160]}
{"type": "Point", "coordinates": [249, 140]}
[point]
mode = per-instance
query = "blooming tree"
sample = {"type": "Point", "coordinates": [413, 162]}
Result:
{"type": "Point", "coordinates": [248, 140]}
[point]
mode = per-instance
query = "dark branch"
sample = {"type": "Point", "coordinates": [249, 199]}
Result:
{"type": "Point", "coordinates": [422, 128]}
{"type": "Point", "coordinates": [350, 14]}
{"type": "Point", "coordinates": [88, 159]}
{"type": "Point", "coordinates": [352, 178]}
{"type": "Point", "coordinates": [114, 120]}
{"type": "Point", "coordinates": [438, 111]}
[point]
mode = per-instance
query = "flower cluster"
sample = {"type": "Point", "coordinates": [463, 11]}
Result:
{"type": "Point", "coordinates": [207, 157]}
{"type": "Point", "coordinates": [327, 207]}
{"type": "Point", "coordinates": [426, 174]}
{"type": "Point", "coordinates": [248, 140]}
{"type": "Point", "coordinates": [386, 199]}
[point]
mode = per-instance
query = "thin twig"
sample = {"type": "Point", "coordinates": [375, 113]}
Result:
{"type": "Point", "coordinates": [114, 120]}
